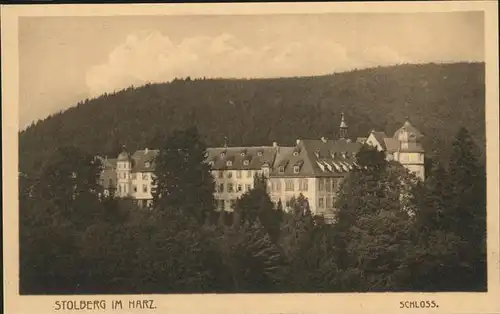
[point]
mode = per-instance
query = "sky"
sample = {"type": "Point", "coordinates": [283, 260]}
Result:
{"type": "Point", "coordinates": [63, 60]}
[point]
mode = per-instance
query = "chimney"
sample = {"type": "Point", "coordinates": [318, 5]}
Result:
{"type": "Point", "coordinates": [145, 151]}
{"type": "Point", "coordinates": [298, 141]}
{"type": "Point", "coordinates": [275, 144]}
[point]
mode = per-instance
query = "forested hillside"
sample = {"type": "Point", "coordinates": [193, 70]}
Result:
{"type": "Point", "coordinates": [437, 98]}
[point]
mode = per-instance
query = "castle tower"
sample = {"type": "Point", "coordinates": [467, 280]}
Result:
{"type": "Point", "coordinates": [123, 168]}
{"type": "Point", "coordinates": [410, 152]}
{"type": "Point", "coordinates": [343, 128]}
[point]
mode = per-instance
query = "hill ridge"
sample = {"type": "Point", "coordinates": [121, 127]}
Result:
{"type": "Point", "coordinates": [439, 98]}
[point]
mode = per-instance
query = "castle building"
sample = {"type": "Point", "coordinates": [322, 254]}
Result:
{"type": "Point", "coordinates": [404, 147]}
{"type": "Point", "coordinates": [313, 168]}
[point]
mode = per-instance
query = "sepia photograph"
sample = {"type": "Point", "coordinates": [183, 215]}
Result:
{"type": "Point", "coordinates": [251, 153]}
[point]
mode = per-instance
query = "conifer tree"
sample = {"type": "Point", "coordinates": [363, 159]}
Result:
{"type": "Point", "coordinates": [183, 179]}
{"type": "Point", "coordinates": [466, 212]}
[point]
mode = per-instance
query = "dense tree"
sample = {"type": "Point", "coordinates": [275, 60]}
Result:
{"type": "Point", "coordinates": [374, 225]}
{"type": "Point", "coordinates": [256, 205]}
{"type": "Point", "coordinates": [452, 221]}
{"type": "Point", "coordinates": [255, 263]}
{"type": "Point", "coordinates": [183, 179]}
{"type": "Point", "coordinates": [62, 200]}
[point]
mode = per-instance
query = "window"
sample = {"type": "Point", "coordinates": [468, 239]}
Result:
{"type": "Point", "coordinates": [238, 174]}
{"type": "Point", "coordinates": [134, 188]}
{"type": "Point", "coordinates": [110, 182]}
{"type": "Point", "coordinates": [239, 188]}
{"type": "Point", "coordinates": [221, 204]}
{"type": "Point", "coordinates": [249, 173]}
{"type": "Point", "coordinates": [242, 154]}
{"type": "Point", "coordinates": [289, 186]}
{"type": "Point", "coordinates": [259, 154]}
{"type": "Point", "coordinates": [232, 203]}
{"type": "Point", "coordinates": [295, 153]}
{"type": "Point", "coordinates": [120, 188]}
{"type": "Point", "coordinates": [229, 174]}
{"type": "Point", "coordinates": [303, 185]}
{"type": "Point", "coordinates": [282, 169]}
{"type": "Point", "coordinates": [321, 202]}
{"type": "Point", "coordinates": [147, 164]}
{"type": "Point", "coordinates": [230, 188]}
{"type": "Point", "coordinates": [145, 188]}
{"type": "Point", "coordinates": [211, 163]}
{"type": "Point", "coordinates": [328, 185]}
{"type": "Point", "coordinates": [229, 163]}
{"type": "Point", "coordinates": [221, 174]}
{"type": "Point", "coordinates": [248, 187]}
{"type": "Point", "coordinates": [133, 176]}
{"type": "Point", "coordinates": [221, 187]}
{"type": "Point", "coordinates": [321, 184]}
{"type": "Point", "coordinates": [334, 184]}
{"type": "Point", "coordinates": [296, 169]}
{"type": "Point", "coordinates": [278, 186]}
{"type": "Point", "coordinates": [245, 162]}
{"type": "Point", "coordinates": [144, 176]}
{"type": "Point", "coordinates": [328, 202]}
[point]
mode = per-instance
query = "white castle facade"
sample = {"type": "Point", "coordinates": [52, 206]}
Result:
{"type": "Point", "coordinates": [313, 168]}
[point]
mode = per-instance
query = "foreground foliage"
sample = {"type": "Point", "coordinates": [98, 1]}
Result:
{"type": "Point", "coordinates": [392, 232]}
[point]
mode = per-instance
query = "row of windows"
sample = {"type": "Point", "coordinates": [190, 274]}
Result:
{"type": "Point", "coordinates": [296, 169]}
{"type": "Point", "coordinates": [327, 184]}
{"type": "Point", "coordinates": [238, 173]}
{"type": "Point", "coordinates": [411, 157]}
{"type": "Point", "coordinates": [290, 185]}
{"type": "Point", "coordinates": [126, 165]}
{"type": "Point", "coordinates": [123, 188]}
{"type": "Point", "coordinates": [233, 188]}
{"type": "Point", "coordinates": [326, 202]}
{"type": "Point", "coordinates": [222, 204]}
{"type": "Point", "coordinates": [134, 176]}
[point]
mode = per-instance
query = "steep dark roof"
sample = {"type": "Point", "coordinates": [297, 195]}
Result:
{"type": "Point", "coordinates": [408, 127]}
{"type": "Point", "coordinates": [380, 136]}
{"type": "Point", "coordinates": [317, 158]}
{"type": "Point", "coordinates": [391, 144]}
{"type": "Point", "coordinates": [140, 159]}
{"type": "Point", "coordinates": [256, 156]}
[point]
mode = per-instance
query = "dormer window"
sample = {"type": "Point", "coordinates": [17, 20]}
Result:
{"type": "Point", "coordinates": [147, 164]}
{"type": "Point", "coordinates": [259, 154]}
{"type": "Point", "coordinates": [295, 153]}
{"type": "Point", "coordinates": [229, 163]}
{"type": "Point", "coordinates": [282, 169]}
{"type": "Point", "coordinates": [245, 162]}
{"type": "Point", "coordinates": [296, 169]}
{"type": "Point", "coordinates": [222, 155]}
{"type": "Point", "coordinates": [211, 163]}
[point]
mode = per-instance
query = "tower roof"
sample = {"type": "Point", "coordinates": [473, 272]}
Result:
{"type": "Point", "coordinates": [410, 129]}
{"type": "Point", "coordinates": [343, 124]}
{"type": "Point", "coordinates": [124, 155]}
